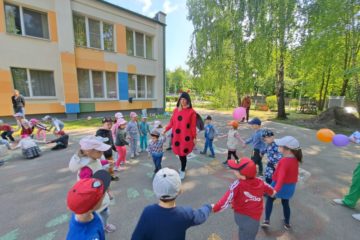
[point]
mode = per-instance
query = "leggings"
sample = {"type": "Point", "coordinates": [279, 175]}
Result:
{"type": "Point", "coordinates": [286, 209]}
{"type": "Point", "coordinates": [232, 153]}
{"type": "Point", "coordinates": [121, 150]}
{"type": "Point", "coordinates": [183, 160]}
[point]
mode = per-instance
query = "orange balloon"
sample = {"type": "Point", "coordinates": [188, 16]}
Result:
{"type": "Point", "coordinates": [325, 135]}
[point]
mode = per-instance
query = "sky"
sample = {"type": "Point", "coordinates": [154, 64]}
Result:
{"type": "Point", "coordinates": [178, 29]}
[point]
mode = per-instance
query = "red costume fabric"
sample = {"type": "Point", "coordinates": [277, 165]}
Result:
{"type": "Point", "coordinates": [183, 125]}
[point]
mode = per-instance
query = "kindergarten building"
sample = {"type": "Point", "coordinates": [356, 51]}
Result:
{"type": "Point", "coordinates": [77, 57]}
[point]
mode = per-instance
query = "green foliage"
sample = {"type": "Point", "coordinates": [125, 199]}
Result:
{"type": "Point", "coordinates": [271, 102]}
{"type": "Point", "coordinates": [178, 80]}
{"type": "Point", "coordinates": [294, 103]}
{"type": "Point", "coordinates": [223, 97]}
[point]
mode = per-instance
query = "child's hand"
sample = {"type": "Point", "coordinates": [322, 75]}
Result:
{"type": "Point", "coordinates": [274, 194]}
{"type": "Point", "coordinates": [212, 207]}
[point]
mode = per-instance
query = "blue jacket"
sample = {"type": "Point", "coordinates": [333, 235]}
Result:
{"type": "Point", "coordinates": [256, 140]}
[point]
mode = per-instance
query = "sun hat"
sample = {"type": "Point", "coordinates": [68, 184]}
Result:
{"type": "Point", "coordinates": [245, 166]}
{"type": "Point", "coordinates": [34, 121]}
{"type": "Point", "coordinates": [86, 193]}
{"type": "Point", "coordinates": [289, 142]}
{"type": "Point", "coordinates": [157, 124]}
{"type": "Point", "coordinates": [166, 184]}
{"type": "Point", "coordinates": [255, 121]}
{"type": "Point", "coordinates": [133, 114]}
{"type": "Point", "coordinates": [118, 115]}
{"type": "Point", "coordinates": [234, 123]}
{"type": "Point", "coordinates": [46, 118]}
{"type": "Point", "coordinates": [155, 133]}
{"type": "Point", "coordinates": [92, 142]}
{"type": "Point", "coordinates": [267, 133]}
{"type": "Point", "coordinates": [121, 121]}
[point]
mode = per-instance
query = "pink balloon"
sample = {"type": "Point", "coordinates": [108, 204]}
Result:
{"type": "Point", "coordinates": [239, 113]}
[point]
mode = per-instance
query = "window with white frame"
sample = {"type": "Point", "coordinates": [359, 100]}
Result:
{"type": "Point", "coordinates": [141, 86]}
{"type": "Point", "coordinates": [139, 44]}
{"type": "Point", "coordinates": [93, 33]}
{"type": "Point", "coordinates": [97, 84]}
{"type": "Point", "coordinates": [26, 22]}
{"type": "Point", "coordinates": [34, 83]}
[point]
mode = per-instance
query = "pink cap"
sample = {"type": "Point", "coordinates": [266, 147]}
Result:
{"type": "Point", "coordinates": [133, 114]}
{"type": "Point", "coordinates": [91, 142]}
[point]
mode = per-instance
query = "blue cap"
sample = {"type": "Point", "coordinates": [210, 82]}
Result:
{"type": "Point", "coordinates": [255, 121]}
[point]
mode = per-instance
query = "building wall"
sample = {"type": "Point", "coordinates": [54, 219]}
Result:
{"type": "Point", "coordinates": [59, 54]}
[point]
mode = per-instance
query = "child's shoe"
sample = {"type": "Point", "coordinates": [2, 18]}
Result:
{"type": "Point", "coordinates": [212, 156]}
{"type": "Point", "coordinates": [356, 216]}
{"type": "Point", "coordinates": [265, 224]}
{"type": "Point", "coordinates": [132, 155]}
{"type": "Point", "coordinates": [202, 152]}
{"type": "Point", "coordinates": [114, 178]}
{"type": "Point", "coordinates": [287, 226]}
{"type": "Point", "coordinates": [182, 175]}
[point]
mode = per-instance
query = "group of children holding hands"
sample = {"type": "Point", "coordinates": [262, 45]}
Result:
{"type": "Point", "coordinates": [245, 194]}
{"type": "Point", "coordinates": [28, 140]}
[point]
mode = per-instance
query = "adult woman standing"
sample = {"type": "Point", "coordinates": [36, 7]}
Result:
{"type": "Point", "coordinates": [183, 125]}
{"type": "Point", "coordinates": [18, 102]}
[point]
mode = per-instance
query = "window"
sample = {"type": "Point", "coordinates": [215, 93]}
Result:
{"type": "Point", "coordinates": [141, 86]}
{"type": "Point", "coordinates": [93, 33]}
{"type": "Point", "coordinates": [80, 31]}
{"type": "Point", "coordinates": [108, 33]}
{"type": "Point", "coordinates": [41, 83]}
{"type": "Point", "coordinates": [139, 44]}
{"type": "Point", "coordinates": [97, 84]}
{"type": "Point", "coordinates": [26, 22]}
{"type": "Point", "coordinates": [84, 83]}
{"type": "Point", "coordinates": [130, 42]}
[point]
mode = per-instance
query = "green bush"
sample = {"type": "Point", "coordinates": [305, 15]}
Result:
{"type": "Point", "coordinates": [294, 103]}
{"type": "Point", "coordinates": [271, 102]}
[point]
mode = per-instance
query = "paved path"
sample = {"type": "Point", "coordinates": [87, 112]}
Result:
{"type": "Point", "coordinates": [33, 192]}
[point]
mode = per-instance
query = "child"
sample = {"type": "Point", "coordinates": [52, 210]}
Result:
{"type": "Point", "coordinates": [55, 123]}
{"type": "Point", "coordinates": [144, 130]}
{"type": "Point", "coordinates": [83, 199]}
{"type": "Point", "coordinates": [165, 220]}
{"type": "Point", "coordinates": [29, 147]}
{"type": "Point", "coordinates": [40, 127]}
{"type": "Point", "coordinates": [246, 197]}
{"type": "Point", "coordinates": [23, 124]}
{"type": "Point", "coordinates": [120, 144]}
{"type": "Point", "coordinates": [115, 127]}
{"type": "Point", "coordinates": [285, 178]}
{"type": "Point", "coordinates": [156, 149]}
{"type": "Point", "coordinates": [272, 152]}
{"type": "Point", "coordinates": [133, 130]}
{"type": "Point", "coordinates": [7, 131]}
{"type": "Point", "coordinates": [86, 163]}
{"type": "Point", "coordinates": [233, 139]}
{"type": "Point", "coordinates": [257, 142]}
{"type": "Point", "coordinates": [61, 141]}
{"type": "Point", "coordinates": [355, 137]}
{"type": "Point", "coordinates": [210, 133]}
{"type": "Point", "coordinates": [105, 132]}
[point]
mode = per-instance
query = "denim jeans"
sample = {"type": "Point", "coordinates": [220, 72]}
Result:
{"type": "Point", "coordinates": [157, 157]}
{"type": "Point", "coordinates": [286, 209]}
{"type": "Point", "coordinates": [209, 144]}
{"type": "Point", "coordinates": [143, 142]}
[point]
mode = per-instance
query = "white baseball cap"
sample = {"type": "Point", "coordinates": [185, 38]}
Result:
{"type": "Point", "coordinates": [92, 142]}
{"type": "Point", "coordinates": [289, 142]}
{"type": "Point", "coordinates": [166, 184]}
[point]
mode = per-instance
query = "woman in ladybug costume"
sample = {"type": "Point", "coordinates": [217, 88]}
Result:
{"type": "Point", "coordinates": [183, 125]}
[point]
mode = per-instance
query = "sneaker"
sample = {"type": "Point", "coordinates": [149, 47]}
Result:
{"type": "Point", "coordinates": [168, 149]}
{"type": "Point", "coordinates": [121, 168]}
{"type": "Point", "coordinates": [202, 152]}
{"type": "Point", "coordinates": [212, 156]}
{"type": "Point", "coordinates": [114, 178]}
{"type": "Point", "coordinates": [265, 224]}
{"type": "Point", "coordinates": [356, 216]}
{"type": "Point", "coordinates": [109, 228]}
{"type": "Point", "coordinates": [338, 201]}
{"type": "Point", "coordinates": [2, 162]}
{"type": "Point", "coordinates": [116, 169]}
{"type": "Point", "coordinates": [287, 226]}
{"type": "Point", "coordinates": [132, 155]}
{"type": "Point", "coordinates": [225, 162]}
{"type": "Point", "coordinates": [182, 175]}
{"type": "Point", "coordinates": [137, 154]}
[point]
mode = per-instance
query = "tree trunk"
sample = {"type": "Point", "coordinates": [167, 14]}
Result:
{"type": "Point", "coordinates": [321, 89]}
{"type": "Point", "coordinates": [326, 89]}
{"type": "Point", "coordinates": [281, 88]}
{"type": "Point", "coordinates": [346, 66]}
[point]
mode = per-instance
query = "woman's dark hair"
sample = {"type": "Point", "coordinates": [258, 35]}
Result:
{"type": "Point", "coordinates": [296, 152]}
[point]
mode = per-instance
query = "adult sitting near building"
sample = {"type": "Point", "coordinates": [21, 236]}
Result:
{"type": "Point", "coordinates": [18, 102]}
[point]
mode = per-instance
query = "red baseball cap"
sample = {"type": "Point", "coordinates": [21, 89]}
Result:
{"type": "Point", "coordinates": [245, 166]}
{"type": "Point", "coordinates": [86, 193]}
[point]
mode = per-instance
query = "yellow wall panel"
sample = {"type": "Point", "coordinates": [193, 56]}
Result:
{"type": "Point", "coordinates": [121, 39]}
{"type": "Point", "coordinates": [6, 91]}
{"type": "Point", "coordinates": [111, 67]}
{"type": "Point", "coordinates": [90, 54]}
{"type": "Point", "coordinates": [131, 69]}
{"type": "Point", "coordinates": [39, 108]}
{"type": "Point", "coordinates": [69, 77]}
{"type": "Point", "coordinates": [93, 59]}
{"type": "Point", "coordinates": [53, 26]}
{"type": "Point", "coordinates": [118, 106]}
{"type": "Point", "coordinates": [2, 17]}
